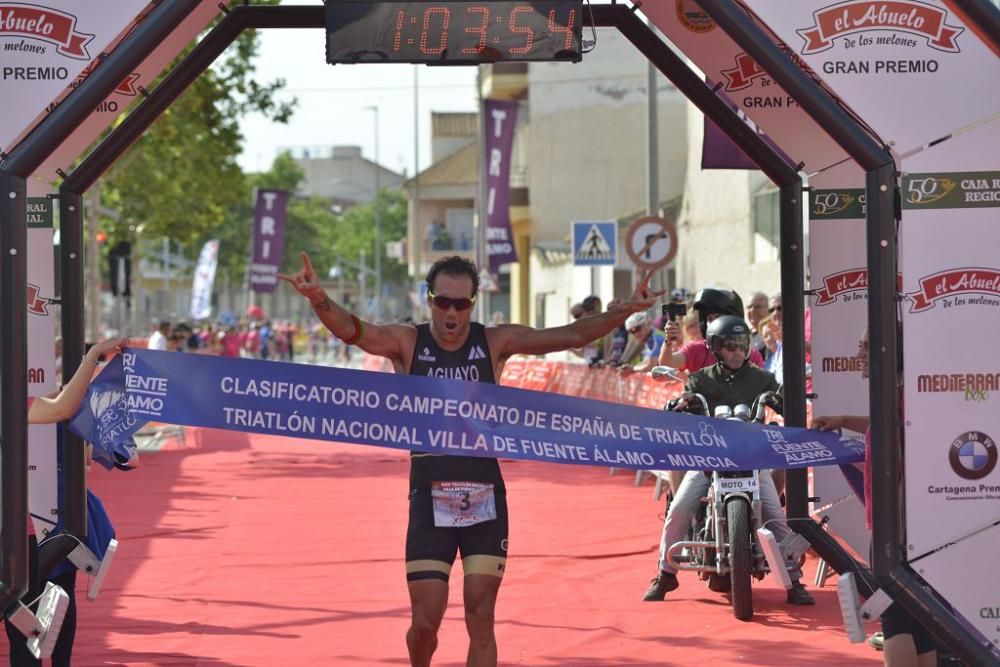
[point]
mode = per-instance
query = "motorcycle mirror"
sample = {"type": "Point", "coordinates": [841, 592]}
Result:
{"type": "Point", "coordinates": [664, 374]}
{"type": "Point", "coordinates": [722, 411]}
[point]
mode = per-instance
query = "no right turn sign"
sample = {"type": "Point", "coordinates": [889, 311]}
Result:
{"type": "Point", "coordinates": [651, 242]}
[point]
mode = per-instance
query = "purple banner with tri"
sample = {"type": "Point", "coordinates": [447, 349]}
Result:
{"type": "Point", "coordinates": [268, 239]}
{"type": "Point", "coordinates": [501, 118]}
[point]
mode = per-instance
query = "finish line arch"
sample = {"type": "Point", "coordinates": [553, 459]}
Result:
{"type": "Point", "coordinates": [875, 160]}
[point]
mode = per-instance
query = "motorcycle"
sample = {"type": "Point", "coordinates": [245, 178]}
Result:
{"type": "Point", "coordinates": [726, 543]}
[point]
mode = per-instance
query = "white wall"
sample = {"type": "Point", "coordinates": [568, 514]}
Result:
{"type": "Point", "coordinates": [715, 233]}
{"type": "Point", "coordinates": [587, 144]}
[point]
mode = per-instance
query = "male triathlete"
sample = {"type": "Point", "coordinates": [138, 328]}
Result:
{"type": "Point", "coordinates": [456, 503]}
{"type": "Point", "coordinates": [731, 381]}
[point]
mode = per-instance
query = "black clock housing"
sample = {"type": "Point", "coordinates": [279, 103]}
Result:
{"type": "Point", "coordinates": [453, 31]}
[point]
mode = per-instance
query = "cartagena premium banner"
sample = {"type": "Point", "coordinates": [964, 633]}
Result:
{"type": "Point", "coordinates": [501, 119]}
{"type": "Point", "coordinates": [268, 239]}
{"type": "Point", "coordinates": [951, 307]}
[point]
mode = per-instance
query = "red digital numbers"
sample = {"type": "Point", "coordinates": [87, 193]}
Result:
{"type": "Point", "coordinates": [445, 14]}
{"type": "Point", "coordinates": [568, 29]}
{"type": "Point", "coordinates": [397, 39]}
{"type": "Point", "coordinates": [528, 33]}
{"type": "Point", "coordinates": [514, 29]}
{"type": "Point", "coordinates": [484, 24]}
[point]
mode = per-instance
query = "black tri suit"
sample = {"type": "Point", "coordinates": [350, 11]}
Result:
{"type": "Point", "coordinates": [457, 503]}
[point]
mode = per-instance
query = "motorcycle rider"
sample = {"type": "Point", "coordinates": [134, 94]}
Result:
{"type": "Point", "coordinates": [709, 303]}
{"type": "Point", "coordinates": [731, 381]}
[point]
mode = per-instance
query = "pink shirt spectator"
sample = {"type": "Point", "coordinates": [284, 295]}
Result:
{"type": "Point", "coordinates": [231, 344]}
{"type": "Point", "coordinates": [698, 356]}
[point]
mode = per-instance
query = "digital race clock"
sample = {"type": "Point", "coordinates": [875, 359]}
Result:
{"type": "Point", "coordinates": [452, 31]}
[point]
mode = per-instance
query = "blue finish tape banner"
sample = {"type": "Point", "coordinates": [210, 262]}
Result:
{"type": "Point", "coordinates": [104, 419]}
{"type": "Point", "coordinates": [442, 416]}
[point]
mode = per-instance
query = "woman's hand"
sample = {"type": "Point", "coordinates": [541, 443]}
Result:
{"type": "Point", "coordinates": [830, 423]}
{"type": "Point", "coordinates": [101, 348]}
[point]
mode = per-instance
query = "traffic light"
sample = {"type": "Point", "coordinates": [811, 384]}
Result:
{"type": "Point", "coordinates": [120, 264]}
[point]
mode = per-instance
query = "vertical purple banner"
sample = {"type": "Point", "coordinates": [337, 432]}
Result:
{"type": "Point", "coordinates": [501, 117]}
{"type": "Point", "coordinates": [268, 239]}
{"type": "Point", "coordinates": [718, 151]}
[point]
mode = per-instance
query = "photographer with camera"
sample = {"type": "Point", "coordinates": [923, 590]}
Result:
{"type": "Point", "coordinates": [709, 303]}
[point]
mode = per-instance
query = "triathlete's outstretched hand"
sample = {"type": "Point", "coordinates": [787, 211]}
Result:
{"type": "Point", "coordinates": [306, 283]}
{"type": "Point", "coordinates": [643, 297]}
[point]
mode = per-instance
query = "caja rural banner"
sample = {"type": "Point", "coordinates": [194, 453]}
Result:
{"type": "Point", "coordinates": [439, 416]}
{"type": "Point", "coordinates": [42, 494]}
{"type": "Point", "coordinates": [745, 83]}
{"type": "Point", "coordinates": [838, 310]}
{"type": "Point", "coordinates": [949, 235]}
{"type": "Point", "coordinates": [911, 69]}
{"type": "Point", "coordinates": [46, 45]}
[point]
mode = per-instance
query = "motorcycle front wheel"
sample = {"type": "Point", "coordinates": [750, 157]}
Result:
{"type": "Point", "coordinates": [738, 525]}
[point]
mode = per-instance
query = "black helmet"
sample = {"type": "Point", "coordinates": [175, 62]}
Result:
{"type": "Point", "coordinates": [719, 301]}
{"type": "Point", "coordinates": [725, 329]}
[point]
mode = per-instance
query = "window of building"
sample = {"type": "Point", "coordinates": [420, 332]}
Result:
{"type": "Point", "coordinates": [766, 230]}
{"type": "Point", "coordinates": [458, 222]}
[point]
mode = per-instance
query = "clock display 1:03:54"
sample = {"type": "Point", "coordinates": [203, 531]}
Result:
{"type": "Point", "coordinates": [479, 24]}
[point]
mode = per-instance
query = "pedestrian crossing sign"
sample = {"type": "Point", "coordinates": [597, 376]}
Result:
{"type": "Point", "coordinates": [595, 243]}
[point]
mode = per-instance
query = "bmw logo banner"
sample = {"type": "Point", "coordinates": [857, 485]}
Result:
{"type": "Point", "coordinates": [446, 416]}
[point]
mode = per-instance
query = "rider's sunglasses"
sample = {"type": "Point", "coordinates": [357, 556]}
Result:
{"type": "Point", "coordinates": [734, 347]}
{"type": "Point", "coordinates": [446, 302]}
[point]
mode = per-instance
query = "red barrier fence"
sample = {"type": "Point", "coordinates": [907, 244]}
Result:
{"type": "Point", "coordinates": [559, 377]}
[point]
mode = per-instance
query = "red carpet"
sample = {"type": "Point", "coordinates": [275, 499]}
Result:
{"type": "Point", "coordinates": [253, 550]}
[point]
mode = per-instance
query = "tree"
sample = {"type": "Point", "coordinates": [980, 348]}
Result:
{"type": "Point", "coordinates": [181, 179]}
{"type": "Point", "coordinates": [354, 230]}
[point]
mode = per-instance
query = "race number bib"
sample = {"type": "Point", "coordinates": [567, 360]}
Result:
{"type": "Point", "coordinates": [460, 504]}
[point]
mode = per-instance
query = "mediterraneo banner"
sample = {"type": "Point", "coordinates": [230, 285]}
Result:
{"type": "Point", "coordinates": [443, 416]}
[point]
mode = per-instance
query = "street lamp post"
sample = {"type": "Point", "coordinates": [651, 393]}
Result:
{"type": "Point", "coordinates": [378, 222]}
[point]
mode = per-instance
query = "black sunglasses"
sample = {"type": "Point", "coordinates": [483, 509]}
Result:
{"type": "Point", "coordinates": [774, 308]}
{"type": "Point", "coordinates": [446, 302]}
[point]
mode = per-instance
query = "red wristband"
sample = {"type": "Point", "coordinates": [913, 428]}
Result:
{"type": "Point", "coordinates": [359, 330]}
